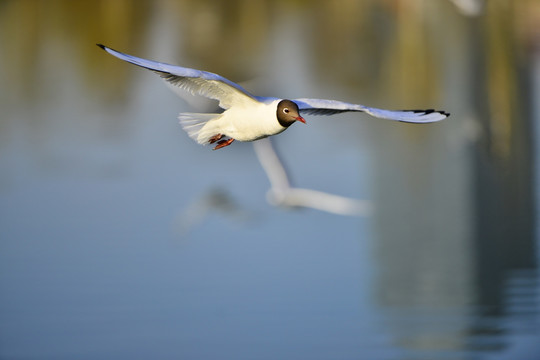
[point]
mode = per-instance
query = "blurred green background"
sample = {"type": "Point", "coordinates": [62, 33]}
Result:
{"type": "Point", "coordinates": [120, 237]}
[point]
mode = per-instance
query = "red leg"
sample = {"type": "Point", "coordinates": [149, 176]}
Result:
{"type": "Point", "coordinates": [223, 143]}
{"type": "Point", "coordinates": [215, 138]}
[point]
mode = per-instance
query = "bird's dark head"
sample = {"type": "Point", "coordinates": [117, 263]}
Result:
{"type": "Point", "coordinates": [287, 113]}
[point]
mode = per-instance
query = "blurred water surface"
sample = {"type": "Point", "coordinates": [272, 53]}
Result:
{"type": "Point", "coordinates": [122, 238]}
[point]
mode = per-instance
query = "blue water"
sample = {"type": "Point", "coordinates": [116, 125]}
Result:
{"type": "Point", "coordinates": [122, 238]}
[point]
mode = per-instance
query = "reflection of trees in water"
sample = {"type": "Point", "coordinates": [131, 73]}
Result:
{"type": "Point", "coordinates": [450, 254]}
{"type": "Point", "coordinates": [393, 48]}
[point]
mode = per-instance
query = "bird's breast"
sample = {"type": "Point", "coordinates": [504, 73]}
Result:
{"type": "Point", "coordinates": [251, 123]}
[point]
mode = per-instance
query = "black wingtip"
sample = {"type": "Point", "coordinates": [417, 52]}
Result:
{"type": "Point", "coordinates": [422, 111]}
{"type": "Point", "coordinates": [429, 111]}
{"type": "Point", "coordinates": [101, 46]}
{"type": "Point", "coordinates": [447, 114]}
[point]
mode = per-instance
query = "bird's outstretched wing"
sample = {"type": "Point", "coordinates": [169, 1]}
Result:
{"type": "Point", "coordinates": [197, 82]}
{"type": "Point", "coordinates": [330, 107]}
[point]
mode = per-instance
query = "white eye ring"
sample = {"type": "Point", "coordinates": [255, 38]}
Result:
{"type": "Point", "coordinates": [286, 110]}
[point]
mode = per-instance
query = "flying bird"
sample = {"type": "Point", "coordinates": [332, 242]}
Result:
{"type": "Point", "coordinates": [247, 117]}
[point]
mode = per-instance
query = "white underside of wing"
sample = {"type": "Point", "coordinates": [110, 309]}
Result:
{"type": "Point", "coordinates": [412, 116]}
{"type": "Point", "coordinates": [197, 82]}
{"type": "Point", "coordinates": [323, 104]}
{"type": "Point", "coordinates": [329, 107]}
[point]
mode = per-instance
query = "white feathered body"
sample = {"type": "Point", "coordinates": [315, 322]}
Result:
{"type": "Point", "coordinates": [252, 121]}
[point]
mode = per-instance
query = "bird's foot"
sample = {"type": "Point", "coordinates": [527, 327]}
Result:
{"type": "Point", "coordinates": [215, 138]}
{"type": "Point", "coordinates": [223, 143]}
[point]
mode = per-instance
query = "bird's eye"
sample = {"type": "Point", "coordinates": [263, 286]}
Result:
{"type": "Point", "coordinates": [286, 110]}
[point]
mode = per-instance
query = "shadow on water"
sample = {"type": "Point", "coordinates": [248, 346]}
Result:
{"type": "Point", "coordinates": [95, 170]}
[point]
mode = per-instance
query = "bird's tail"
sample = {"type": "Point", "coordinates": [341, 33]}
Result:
{"type": "Point", "coordinates": [198, 127]}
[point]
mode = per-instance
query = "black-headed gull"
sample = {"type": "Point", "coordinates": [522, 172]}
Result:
{"type": "Point", "coordinates": [248, 117]}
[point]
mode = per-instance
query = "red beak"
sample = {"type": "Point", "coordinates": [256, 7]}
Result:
{"type": "Point", "coordinates": [301, 119]}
